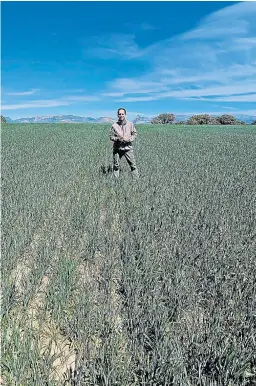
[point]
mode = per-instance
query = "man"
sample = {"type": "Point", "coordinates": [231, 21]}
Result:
{"type": "Point", "coordinates": [122, 134]}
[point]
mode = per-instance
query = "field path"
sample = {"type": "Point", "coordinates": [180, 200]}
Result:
{"type": "Point", "coordinates": [50, 339]}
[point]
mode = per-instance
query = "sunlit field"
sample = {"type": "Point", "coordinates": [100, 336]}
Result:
{"type": "Point", "coordinates": [128, 282]}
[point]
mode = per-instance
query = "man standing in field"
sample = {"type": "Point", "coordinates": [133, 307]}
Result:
{"type": "Point", "coordinates": [123, 133]}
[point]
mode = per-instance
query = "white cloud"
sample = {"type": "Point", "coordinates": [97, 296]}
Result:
{"type": "Point", "coordinates": [85, 98]}
{"type": "Point", "coordinates": [112, 94]}
{"type": "Point", "coordinates": [140, 99]}
{"type": "Point", "coordinates": [122, 46]}
{"type": "Point", "coordinates": [233, 80]}
{"type": "Point", "coordinates": [230, 92]}
{"type": "Point", "coordinates": [229, 108]}
{"type": "Point", "coordinates": [232, 98]}
{"type": "Point", "coordinates": [232, 12]}
{"type": "Point", "coordinates": [66, 101]}
{"type": "Point", "coordinates": [211, 32]}
{"type": "Point", "coordinates": [237, 19]}
{"type": "Point", "coordinates": [216, 59]}
{"type": "Point", "coordinates": [220, 112]}
{"type": "Point", "coordinates": [137, 86]}
{"type": "Point", "coordinates": [23, 93]}
{"type": "Point", "coordinates": [35, 104]}
{"type": "Point", "coordinates": [248, 42]}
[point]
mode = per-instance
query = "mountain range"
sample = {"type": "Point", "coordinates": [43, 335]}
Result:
{"type": "Point", "coordinates": [139, 119]}
{"type": "Point", "coordinates": [60, 119]}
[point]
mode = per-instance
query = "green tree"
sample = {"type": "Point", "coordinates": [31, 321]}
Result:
{"type": "Point", "coordinates": [3, 120]}
{"type": "Point", "coordinates": [226, 119]}
{"type": "Point", "coordinates": [164, 119]}
{"type": "Point", "coordinates": [253, 122]}
{"type": "Point", "coordinates": [199, 119]}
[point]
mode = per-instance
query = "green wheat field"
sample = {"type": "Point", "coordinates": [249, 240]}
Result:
{"type": "Point", "coordinates": [130, 282]}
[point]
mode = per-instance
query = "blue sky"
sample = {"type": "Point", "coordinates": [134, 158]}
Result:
{"type": "Point", "coordinates": [89, 58]}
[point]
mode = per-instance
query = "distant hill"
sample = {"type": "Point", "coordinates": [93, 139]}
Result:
{"type": "Point", "coordinates": [245, 118]}
{"type": "Point", "coordinates": [139, 119]}
{"type": "Point", "coordinates": [72, 119]}
{"type": "Point", "coordinates": [60, 119]}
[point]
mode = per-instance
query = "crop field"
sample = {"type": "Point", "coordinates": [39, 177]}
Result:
{"type": "Point", "coordinates": [147, 282]}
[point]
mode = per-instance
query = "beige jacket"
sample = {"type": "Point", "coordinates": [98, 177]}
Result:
{"type": "Point", "coordinates": [123, 134]}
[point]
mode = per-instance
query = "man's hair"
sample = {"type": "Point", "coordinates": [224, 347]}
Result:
{"type": "Point", "coordinates": [121, 108]}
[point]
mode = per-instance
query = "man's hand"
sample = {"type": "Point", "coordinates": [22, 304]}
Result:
{"type": "Point", "coordinates": [125, 139]}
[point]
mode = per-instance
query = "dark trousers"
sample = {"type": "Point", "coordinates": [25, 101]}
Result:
{"type": "Point", "coordinates": [129, 156]}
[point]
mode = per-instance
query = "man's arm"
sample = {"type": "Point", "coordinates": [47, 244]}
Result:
{"type": "Point", "coordinates": [113, 136]}
{"type": "Point", "coordinates": [133, 133]}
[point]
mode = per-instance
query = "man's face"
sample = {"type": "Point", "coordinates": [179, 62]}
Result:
{"type": "Point", "coordinates": [121, 115]}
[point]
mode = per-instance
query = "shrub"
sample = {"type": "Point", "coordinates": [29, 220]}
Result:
{"type": "Point", "coordinates": [226, 119]}
{"type": "Point", "coordinates": [199, 119]}
{"type": "Point", "coordinates": [163, 119]}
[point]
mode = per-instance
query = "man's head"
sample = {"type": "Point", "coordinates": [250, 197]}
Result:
{"type": "Point", "coordinates": [121, 113]}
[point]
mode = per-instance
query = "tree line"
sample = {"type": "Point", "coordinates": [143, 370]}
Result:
{"type": "Point", "coordinates": [199, 119]}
